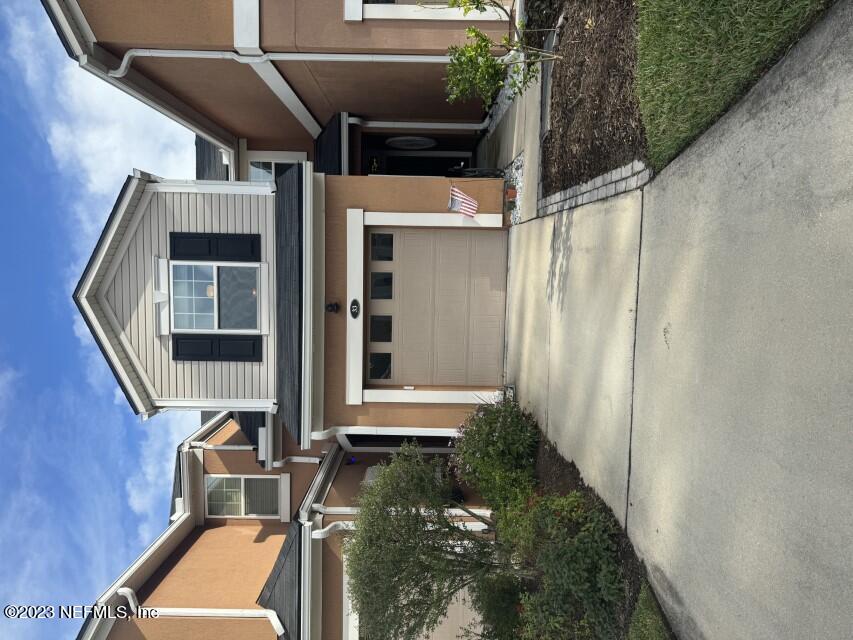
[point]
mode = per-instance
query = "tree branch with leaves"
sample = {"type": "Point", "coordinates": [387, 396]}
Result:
{"type": "Point", "coordinates": [408, 557]}
{"type": "Point", "coordinates": [475, 71]}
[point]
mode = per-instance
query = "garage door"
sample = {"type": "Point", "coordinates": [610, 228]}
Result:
{"type": "Point", "coordinates": [436, 300]}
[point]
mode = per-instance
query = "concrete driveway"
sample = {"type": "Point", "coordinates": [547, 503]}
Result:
{"type": "Point", "coordinates": [737, 407]}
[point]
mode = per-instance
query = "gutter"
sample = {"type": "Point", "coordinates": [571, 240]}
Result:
{"type": "Point", "coordinates": [197, 612]}
{"type": "Point", "coordinates": [80, 44]}
{"type": "Point", "coordinates": [131, 54]}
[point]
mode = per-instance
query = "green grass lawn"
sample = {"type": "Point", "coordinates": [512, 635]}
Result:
{"type": "Point", "coordinates": [696, 57]}
{"type": "Point", "coordinates": [647, 620]}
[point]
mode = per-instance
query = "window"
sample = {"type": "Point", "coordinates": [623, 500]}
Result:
{"type": "Point", "coordinates": [381, 285]}
{"type": "Point", "coordinates": [382, 246]}
{"type": "Point", "coordinates": [193, 292]}
{"type": "Point", "coordinates": [267, 171]}
{"type": "Point", "coordinates": [380, 366]}
{"type": "Point", "coordinates": [215, 297]}
{"type": "Point", "coordinates": [267, 166]}
{"type": "Point", "coordinates": [224, 497]}
{"type": "Point", "coordinates": [242, 496]}
{"type": "Point", "coordinates": [380, 328]}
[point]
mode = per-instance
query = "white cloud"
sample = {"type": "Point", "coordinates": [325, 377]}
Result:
{"type": "Point", "coordinates": [8, 377]}
{"type": "Point", "coordinates": [97, 134]}
{"type": "Point", "coordinates": [152, 478]}
{"type": "Point", "coordinates": [62, 532]}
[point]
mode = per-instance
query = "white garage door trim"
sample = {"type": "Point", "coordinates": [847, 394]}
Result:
{"type": "Point", "coordinates": [357, 220]}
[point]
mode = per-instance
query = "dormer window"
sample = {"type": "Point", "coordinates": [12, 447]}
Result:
{"type": "Point", "coordinates": [220, 297]}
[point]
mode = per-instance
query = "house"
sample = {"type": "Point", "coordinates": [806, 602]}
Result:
{"type": "Point", "coordinates": [324, 283]}
{"type": "Point", "coordinates": [271, 82]}
{"type": "Point", "coordinates": [248, 553]}
{"type": "Point", "coordinates": [310, 292]}
{"type": "Point", "coordinates": [354, 308]}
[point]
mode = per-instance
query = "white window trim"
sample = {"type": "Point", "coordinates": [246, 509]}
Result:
{"type": "Point", "coordinates": [284, 157]}
{"type": "Point", "coordinates": [448, 219]}
{"type": "Point", "coordinates": [432, 396]}
{"type": "Point", "coordinates": [283, 481]}
{"type": "Point", "coordinates": [357, 10]}
{"type": "Point", "coordinates": [260, 297]}
{"type": "Point", "coordinates": [357, 220]}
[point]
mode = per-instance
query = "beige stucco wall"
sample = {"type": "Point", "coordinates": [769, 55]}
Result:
{"type": "Point", "coordinates": [245, 463]}
{"type": "Point", "coordinates": [217, 566]}
{"type": "Point", "coordinates": [319, 26]}
{"type": "Point", "coordinates": [192, 629]}
{"type": "Point", "coordinates": [164, 24]}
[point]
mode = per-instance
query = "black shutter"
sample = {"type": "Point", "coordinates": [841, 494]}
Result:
{"type": "Point", "coordinates": [223, 247]}
{"type": "Point", "coordinates": [327, 148]}
{"type": "Point", "coordinates": [216, 347]}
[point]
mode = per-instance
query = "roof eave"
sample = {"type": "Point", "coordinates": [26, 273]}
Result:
{"type": "Point", "coordinates": [82, 292]}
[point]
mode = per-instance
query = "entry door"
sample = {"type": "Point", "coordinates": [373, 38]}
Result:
{"type": "Point", "coordinates": [436, 301]}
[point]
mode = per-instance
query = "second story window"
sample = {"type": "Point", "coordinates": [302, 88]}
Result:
{"type": "Point", "coordinates": [215, 297]}
{"type": "Point", "coordinates": [242, 496]}
{"type": "Point", "coordinates": [268, 166]}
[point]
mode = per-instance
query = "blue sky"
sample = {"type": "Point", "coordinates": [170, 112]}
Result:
{"type": "Point", "coordinates": [86, 484]}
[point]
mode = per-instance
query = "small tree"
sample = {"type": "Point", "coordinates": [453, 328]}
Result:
{"type": "Point", "coordinates": [474, 70]}
{"type": "Point", "coordinates": [407, 557]}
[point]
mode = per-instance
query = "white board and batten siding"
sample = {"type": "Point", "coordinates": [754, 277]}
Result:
{"type": "Point", "coordinates": [130, 293]}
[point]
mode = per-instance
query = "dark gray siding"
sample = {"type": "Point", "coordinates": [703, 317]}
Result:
{"type": "Point", "coordinates": [327, 148]}
{"type": "Point", "coordinates": [208, 161]}
{"type": "Point", "coordinates": [250, 422]}
{"type": "Point", "coordinates": [281, 593]}
{"type": "Point", "coordinates": [288, 209]}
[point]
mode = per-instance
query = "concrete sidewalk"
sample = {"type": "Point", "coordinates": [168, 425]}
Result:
{"type": "Point", "coordinates": [740, 483]}
{"type": "Point", "coordinates": [572, 295]}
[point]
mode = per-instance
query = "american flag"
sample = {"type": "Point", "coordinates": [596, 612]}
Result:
{"type": "Point", "coordinates": [464, 204]}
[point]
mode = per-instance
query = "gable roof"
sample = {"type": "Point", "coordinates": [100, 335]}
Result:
{"type": "Point", "coordinates": [90, 303]}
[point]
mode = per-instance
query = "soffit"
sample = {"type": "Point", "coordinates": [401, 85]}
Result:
{"type": "Point", "coordinates": [232, 95]}
{"type": "Point", "coordinates": [374, 90]}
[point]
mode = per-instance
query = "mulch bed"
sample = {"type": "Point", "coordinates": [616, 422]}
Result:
{"type": "Point", "coordinates": [595, 115]}
{"type": "Point", "coordinates": [558, 475]}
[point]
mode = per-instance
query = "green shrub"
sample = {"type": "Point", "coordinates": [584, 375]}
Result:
{"type": "Point", "coordinates": [570, 543]}
{"type": "Point", "coordinates": [496, 598]}
{"type": "Point", "coordinates": [496, 453]}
